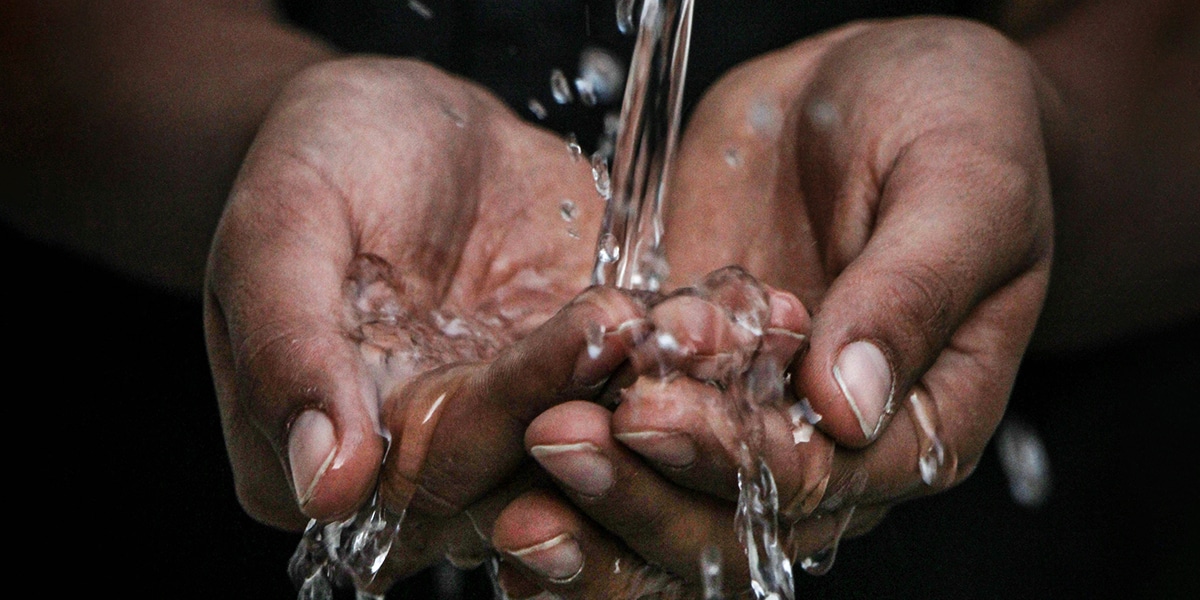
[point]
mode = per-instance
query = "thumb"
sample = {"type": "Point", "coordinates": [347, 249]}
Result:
{"type": "Point", "coordinates": [953, 227]}
{"type": "Point", "coordinates": [298, 405]}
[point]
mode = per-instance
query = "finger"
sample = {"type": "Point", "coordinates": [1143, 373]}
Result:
{"type": "Point", "coordinates": [297, 403]}
{"type": "Point", "coordinates": [665, 524]}
{"type": "Point", "coordinates": [543, 541]}
{"type": "Point", "coordinates": [694, 433]}
{"type": "Point", "coordinates": [458, 429]}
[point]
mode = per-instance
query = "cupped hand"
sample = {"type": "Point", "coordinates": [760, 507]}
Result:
{"type": "Point", "coordinates": [403, 259]}
{"type": "Point", "coordinates": [893, 177]}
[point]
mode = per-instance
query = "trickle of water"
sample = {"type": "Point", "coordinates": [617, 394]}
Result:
{"type": "Point", "coordinates": [757, 522]}
{"type": "Point", "coordinates": [820, 562]}
{"type": "Point", "coordinates": [933, 461]}
{"type": "Point", "coordinates": [652, 271]}
{"type": "Point", "coordinates": [560, 88]}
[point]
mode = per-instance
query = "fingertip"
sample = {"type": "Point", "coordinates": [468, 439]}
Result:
{"type": "Point", "coordinates": [864, 378]}
{"type": "Point", "coordinates": [568, 423]}
{"type": "Point", "coordinates": [330, 473]}
{"type": "Point", "coordinates": [787, 311]}
{"type": "Point", "coordinates": [851, 387]}
{"type": "Point", "coordinates": [534, 531]}
{"type": "Point", "coordinates": [312, 445]}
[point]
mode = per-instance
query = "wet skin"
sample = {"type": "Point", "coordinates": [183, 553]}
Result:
{"type": "Point", "coordinates": [365, 212]}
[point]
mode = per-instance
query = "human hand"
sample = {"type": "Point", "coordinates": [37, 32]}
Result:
{"type": "Point", "coordinates": [391, 254]}
{"type": "Point", "coordinates": [894, 176]}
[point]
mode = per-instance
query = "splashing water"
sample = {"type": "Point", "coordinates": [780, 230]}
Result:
{"type": "Point", "coordinates": [348, 552]}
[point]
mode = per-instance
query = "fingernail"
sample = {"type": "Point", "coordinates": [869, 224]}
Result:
{"type": "Point", "coordinates": [311, 448]}
{"type": "Point", "coordinates": [863, 374]}
{"type": "Point", "coordinates": [558, 559]}
{"type": "Point", "coordinates": [669, 448]}
{"type": "Point", "coordinates": [580, 466]}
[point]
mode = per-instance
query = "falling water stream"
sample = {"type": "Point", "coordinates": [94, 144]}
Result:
{"type": "Point", "coordinates": [629, 255]}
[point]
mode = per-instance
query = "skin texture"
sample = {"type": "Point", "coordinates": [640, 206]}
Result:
{"type": "Point", "coordinates": [934, 203]}
{"type": "Point", "coordinates": [859, 159]}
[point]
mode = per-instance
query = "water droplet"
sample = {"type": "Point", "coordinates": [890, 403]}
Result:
{"type": "Point", "coordinates": [595, 340]}
{"type": "Point", "coordinates": [586, 91]}
{"type": "Point", "coordinates": [421, 9]}
{"type": "Point", "coordinates": [933, 461]}
{"type": "Point", "coordinates": [537, 108]}
{"type": "Point", "coordinates": [802, 433]}
{"type": "Point", "coordinates": [803, 411]}
{"type": "Point", "coordinates": [601, 76]}
{"type": "Point", "coordinates": [573, 147]}
{"type": "Point", "coordinates": [666, 342]}
{"type": "Point", "coordinates": [573, 233]}
{"type": "Point", "coordinates": [625, 16]}
{"type": "Point", "coordinates": [822, 113]}
{"type": "Point", "coordinates": [822, 560]}
{"type": "Point", "coordinates": [1025, 462]}
{"type": "Point", "coordinates": [560, 87]}
{"type": "Point", "coordinates": [766, 118]}
{"type": "Point", "coordinates": [600, 176]}
{"type": "Point", "coordinates": [612, 124]}
{"type": "Point", "coordinates": [710, 572]}
{"type": "Point", "coordinates": [458, 119]}
{"type": "Point", "coordinates": [567, 210]}
{"type": "Point", "coordinates": [733, 157]}
{"type": "Point", "coordinates": [609, 250]}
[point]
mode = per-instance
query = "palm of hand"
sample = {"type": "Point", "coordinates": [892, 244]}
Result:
{"type": "Point", "coordinates": [385, 210]}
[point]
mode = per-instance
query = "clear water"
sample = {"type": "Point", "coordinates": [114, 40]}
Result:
{"type": "Point", "coordinates": [628, 249]}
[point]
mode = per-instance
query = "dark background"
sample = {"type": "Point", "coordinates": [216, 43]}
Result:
{"type": "Point", "coordinates": [122, 484]}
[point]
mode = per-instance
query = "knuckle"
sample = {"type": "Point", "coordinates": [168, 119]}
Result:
{"type": "Point", "coordinates": [607, 306]}
{"type": "Point", "coordinates": [922, 300]}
